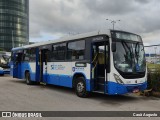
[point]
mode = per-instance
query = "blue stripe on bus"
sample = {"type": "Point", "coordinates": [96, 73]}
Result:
{"type": "Point", "coordinates": [63, 80]}
{"type": "Point", "coordinates": [32, 76]}
{"type": "Point", "coordinates": [25, 66]}
{"type": "Point", "coordinates": [1, 72]}
{"type": "Point", "coordinates": [115, 88]}
{"type": "Point", "coordinates": [88, 85]}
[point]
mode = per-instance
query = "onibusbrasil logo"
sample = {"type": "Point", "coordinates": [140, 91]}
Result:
{"type": "Point", "coordinates": [20, 114]}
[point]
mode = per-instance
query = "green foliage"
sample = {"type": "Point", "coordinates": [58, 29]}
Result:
{"type": "Point", "coordinates": [154, 79]}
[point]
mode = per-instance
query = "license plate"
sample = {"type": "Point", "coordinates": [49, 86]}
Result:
{"type": "Point", "coordinates": [135, 90]}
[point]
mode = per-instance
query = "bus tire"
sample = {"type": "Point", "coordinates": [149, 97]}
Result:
{"type": "Point", "coordinates": [80, 88]}
{"type": "Point", "coordinates": [28, 79]}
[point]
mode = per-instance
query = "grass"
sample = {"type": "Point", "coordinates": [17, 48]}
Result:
{"type": "Point", "coordinates": [153, 77]}
{"type": "Point", "coordinates": [153, 66]}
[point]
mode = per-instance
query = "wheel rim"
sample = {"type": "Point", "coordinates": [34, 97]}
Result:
{"type": "Point", "coordinates": [80, 87]}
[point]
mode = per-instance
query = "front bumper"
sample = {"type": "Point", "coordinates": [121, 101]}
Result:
{"type": "Point", "coordinates": [117, 89]}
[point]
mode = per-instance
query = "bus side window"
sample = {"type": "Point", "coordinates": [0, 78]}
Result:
{"type": "Point", "coordinates": [32, 55]}
{"type": "Point", "coordinates": [27, 55]}
{"type": "Point", "coordinates": [57, 53]}
{"type": "Point", "coordinates": [76, 50]}
{"type": "Point", "coordinates": [20, 57]}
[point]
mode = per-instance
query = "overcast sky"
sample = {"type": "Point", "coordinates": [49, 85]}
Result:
{"type": "Point", "coordinates": [51, 19]}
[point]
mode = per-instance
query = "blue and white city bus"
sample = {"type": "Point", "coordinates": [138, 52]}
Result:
{"type": "Point", "coordinates": [109, 61]}
{"type": "Point", "coordinates": [4, 62]}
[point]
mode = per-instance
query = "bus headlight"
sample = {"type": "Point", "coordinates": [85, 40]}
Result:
{"type": "Point", "coordinates": [118, 80]}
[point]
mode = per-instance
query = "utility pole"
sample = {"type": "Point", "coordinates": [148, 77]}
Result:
{"type": "Point", "coordinates": [113, 22]}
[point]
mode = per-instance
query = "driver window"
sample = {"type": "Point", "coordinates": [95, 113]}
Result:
{"type": "Point", "coordinates": [18, 57]}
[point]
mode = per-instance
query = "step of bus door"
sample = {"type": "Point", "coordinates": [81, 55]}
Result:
{"type": "Point", "coordinates": [101, 80]}
{"type": "Point", "coordinates": [100, 87]}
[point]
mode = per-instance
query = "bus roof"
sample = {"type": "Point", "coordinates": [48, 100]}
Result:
{"type": "Point", "coordinates": [63, 39]}
{"type": "Point", "coordinates": [68, 38]}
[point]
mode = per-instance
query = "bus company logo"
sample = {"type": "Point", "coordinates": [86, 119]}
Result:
{"type": "Point", "coordinates": [73, 69]}
{"type": "Point", "coordinates": [21, 115]}
{"type": "Point", "coordinates": [57, 67]}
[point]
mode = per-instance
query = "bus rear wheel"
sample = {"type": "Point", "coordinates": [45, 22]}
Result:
{"type": "Point", "coordinates": [27, 78]}
{"type": "Point", "coordinates": [80, 88]}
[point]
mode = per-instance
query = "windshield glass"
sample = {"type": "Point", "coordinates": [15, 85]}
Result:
{"type": "Point", "coordinates": [129, 57]}
{"type": "Point", "coordinates": [6, 58]}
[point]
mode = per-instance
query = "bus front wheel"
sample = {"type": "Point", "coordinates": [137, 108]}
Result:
{"type": "Point", "coordinates": [80, 88]}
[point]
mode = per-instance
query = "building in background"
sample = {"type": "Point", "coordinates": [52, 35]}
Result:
{"type": "Point", "coordinates": [152, 53]}
{"type": "Point", "coordinates": [14, 23]}
{"type": "Point", "coordinates": [153, 58]}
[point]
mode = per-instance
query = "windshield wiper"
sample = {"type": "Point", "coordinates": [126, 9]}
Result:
{"type": "Point", "coordinates": [137, 52]}
{"type": "Point", "coordinates": [125, 45]}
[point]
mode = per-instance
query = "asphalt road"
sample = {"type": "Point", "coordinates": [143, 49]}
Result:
{"type": "Point", "coordinates": [15, 95]}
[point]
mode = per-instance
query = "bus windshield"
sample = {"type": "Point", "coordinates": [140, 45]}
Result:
{"type": "Point", "coordinates": [4, 60]}
{"type": "Point", "coordinates": [129, 57]}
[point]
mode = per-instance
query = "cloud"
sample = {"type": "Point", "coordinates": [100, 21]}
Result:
{"type": "Point", "coordinates": [114, 7]}
{"type": "Point", "coordinates": [60, 17]}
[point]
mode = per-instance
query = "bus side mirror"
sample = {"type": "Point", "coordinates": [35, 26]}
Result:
{"type": "Point", "coordinates": [113, 47]}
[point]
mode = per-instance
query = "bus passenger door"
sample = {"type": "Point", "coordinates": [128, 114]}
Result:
{"type": "Point", "coordinates": [99, 65]}
{"type": "Point", "coordinates": [17, 65]}
{"type": "Point", "coordinates": [43, 66]}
